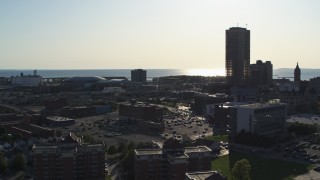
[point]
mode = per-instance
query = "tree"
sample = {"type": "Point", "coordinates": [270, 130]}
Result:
{"type": "Point", "coordinates": [121, 147]}
{"type": "Point", "coordinates": [301, 129]}
{"type": "Point", "coordinates": [241, 170]}
{"type": "Point", "coordinates": [17, 136]}
{"type": "Point", "coordinates": [3, 164]}
{"type": "Point", "coordinates": [128, 164]}
{"type": "Point", "coordinates": [112, 150]}
{"type": "Point", "coordinates": [3, 130]}
{"type": "Point", "coordinates": [88, 139]}
{"type": "Point", "coordinates": [131, 145]}
{"type": "Point", "coordinates": [19, 162]}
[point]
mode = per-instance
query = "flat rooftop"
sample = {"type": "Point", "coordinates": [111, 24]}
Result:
{"type": "Point", "coordinates": [261, 105]}
{"type": "Point", "coordinates": [148, 151]}
{"type": "Point", "coordinates": [59, 118]}
{"type": "Point", "coordinates": [197, 149]}
{"type": "Point", "coordinates": [200, 175]}
{"type": "Point", "coordinates": [178, 155]}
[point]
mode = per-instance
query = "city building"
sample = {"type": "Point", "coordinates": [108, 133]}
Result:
{"type": "Point", "coordinates": [213, 88]}
{"type": "Point", "coordinates": [244, 94]}
{"type": "Point", "coordinates": [171, 162]}
{"type": "Point", "coordinates": [27, 130]}
{"type": "Point", "coordinates": [266, 119]}
{"type": "Point", "coordinates": [169, 83]}
{"type": "Point", "coordinates": [59, 121]}
{"type": "Point", "coordinates": [261, 73]}
{"type": "Point", "coordinates": [297, 74]}
{"type": "Point", "coordinates": [138, 75]}
{"type": "Point", "coordinates": [298, 96]}
{"type": "Point", "coordinates": [84, 82]}
{"type": "Point", "coordinates": [147, 117]}
{"type": "Point", "coordinates": [141, 111]}
{"type": "Point", "coordinates": [4, 81]}
{"type": "Point", "coordinates": [29, 80]}
{"type": "Point", "coordinates": [204, 175]}
{"type": "Point", "coordinates": [221, 113]}
{"type": "Point", "coordinates": [69, 160]}
{"type": "Point", "coordinates": [315, 85]}
{"type": "Point", "coordinates": [237, 56]}
{"type": "Point", "coordinates": [202, 100]}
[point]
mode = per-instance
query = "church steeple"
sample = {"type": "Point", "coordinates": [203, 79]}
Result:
{"type": "Point", "coordinates": [297, 74]}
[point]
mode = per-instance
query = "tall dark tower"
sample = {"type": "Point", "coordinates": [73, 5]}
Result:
{"type": "Point", "coordinates": [237, 56]}
{"type": "Point", "coordinates": [297, 74]}
{"type": "Point", "coordinates": [138, 75]}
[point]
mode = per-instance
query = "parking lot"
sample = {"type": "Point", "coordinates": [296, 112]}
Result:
{"type": "Point", "coordinates": [109, 129]}
{"type": "Point", "coordinates": [307, 150]}
{"type": "Point", "coordinates": [193, 127]}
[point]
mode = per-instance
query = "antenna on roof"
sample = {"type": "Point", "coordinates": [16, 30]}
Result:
{"type": "Point", "coordinates": [246, 25]}
{"type": "Point", "coordinates": [237, 24]}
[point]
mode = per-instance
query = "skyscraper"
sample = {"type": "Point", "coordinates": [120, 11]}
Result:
{"type": "Point", "coordinates": [237, 56]}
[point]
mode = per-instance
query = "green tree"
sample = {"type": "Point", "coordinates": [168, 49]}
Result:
{"type": "Point", "coordinates": [88, 139]}
{"type": "Point", "coordinates": [19, 162]}
{"type": "Point", "coordinates": [121, 147]}
{"type": "Point", "coordinates": [127, 164]}
{"type": "Point", "coordinates": [17, 136]}
{"type": "Point", "coordinates": [241, 170]}
{"type": "Point", "coordinates": [112, 150]}
{"type": "Point", "coordinates": [3, 130]}
{"type": "Point", "coordinates": [3, 164]}
{"type": "Point", "coordinates": [131, 145]}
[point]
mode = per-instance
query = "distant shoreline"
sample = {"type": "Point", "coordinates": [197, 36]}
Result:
{"type": "Point", "coordinates": [306, 74]}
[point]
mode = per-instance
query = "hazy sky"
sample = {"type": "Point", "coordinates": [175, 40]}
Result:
{"type": "Point", "coordinates": [72, 34]}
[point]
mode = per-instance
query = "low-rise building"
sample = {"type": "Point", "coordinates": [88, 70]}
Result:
{"type": "Point", "coordinates": [59, 121]}
{"type": "Point", "coordinates": [204, 175]}
{"type": "Point", "coordinates": [30, 80]}
{"type": "Point", "coordinates": [298, 96]}
{"type": "Point", "coordinates": [202, 100]}
{"type": "Point", "coordinates": [141, 112]}
{"type": "Point", "coordinates": [69, 161]}
{"type": "Point", "coordinates": [149, 118]}
{"type": "Point", "coordinates": [171, 162]}
{"type": "Point", "coordinates": [267, 119]}
{"type": "Point", "coordinates": [315, 85]}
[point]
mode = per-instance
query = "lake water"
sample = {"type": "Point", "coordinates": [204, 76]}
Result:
{"type": "Point", "coordinates": [306, 74]}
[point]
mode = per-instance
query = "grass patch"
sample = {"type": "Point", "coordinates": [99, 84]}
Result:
{"type": "Point", "coordinates": [218, 138]}
{"type": "Point", "coordinates": [261, 168]}
{"type": "Point", "coordinates": [222, 164]}
{"type": "Point", "coordinates": [108, 177]}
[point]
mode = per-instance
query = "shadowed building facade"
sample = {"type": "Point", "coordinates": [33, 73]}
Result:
{"type": "Point", "coordinates": [261, 73]}
{"type": "Point", "coordinates": [138, 75]}
{"type": "Point", "coordinates": [171, 162]}
{"type": "Point", "coordinates": [237, 56]}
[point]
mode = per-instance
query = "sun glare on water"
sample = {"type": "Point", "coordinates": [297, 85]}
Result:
{"type": "Point", "coordinates": [206, 72]}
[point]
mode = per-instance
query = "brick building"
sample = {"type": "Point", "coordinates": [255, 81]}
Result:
{"type": "Point", "coordinates": [141, 111]}
{"type": "Point", "coordinates": [70, 160]}
{"type": "Point", "coordinates": [147, 117]}
{"type": "Point", "coordinates": [171, 162]}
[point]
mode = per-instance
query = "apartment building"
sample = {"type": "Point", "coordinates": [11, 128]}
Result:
{"type": "Point", "coordinates": [70, 160]}
{"type": "Point", "coordinates": [171, 161]}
